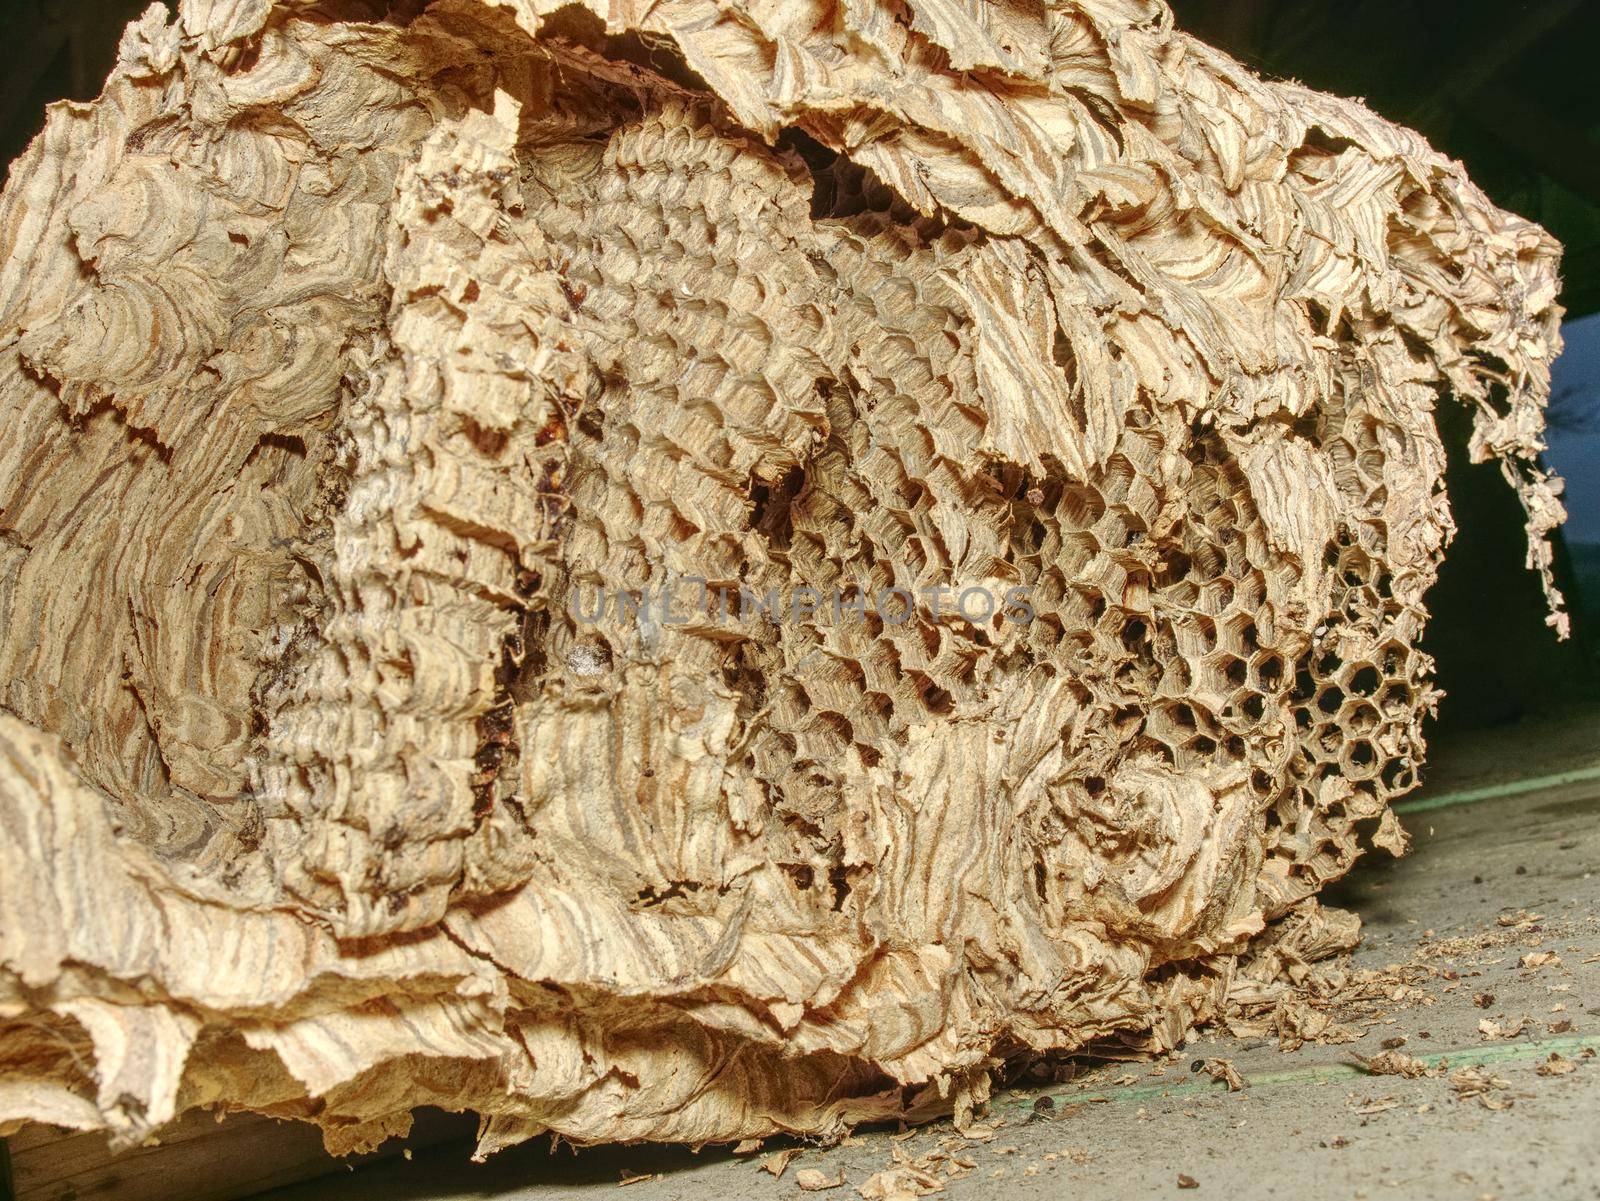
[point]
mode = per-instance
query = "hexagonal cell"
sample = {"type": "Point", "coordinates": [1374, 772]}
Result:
{"type": "Point", "coordinates": [1359, 759]}
{"type": "Point", "coordinates": [1398, 776]}
{"type": "Point", "coordinates": [1397, 699]}
{"type": "Point", "coordinates": [1079, 507]}
{"type": "Point", "coordinates": [1217, 595]}
{"type": "Point", "coordinates": [1185, 594]}
{"type": "Point", "coordinates": [1203, 495]}
{"type": "Point", "coordinates": [1361, 679]}
{"type": "Point", "coordinates": [1393, 659]}
{"type": "Point", "coordinates": [1249, 636]}
{"type": "Point", "coordinates": [1196, 635]}
{"type": "Point", "coordinates": [1208, 562]}
{"type": "Point", "coordinates": [1135, 635]}
{"type": "Point", "coordinates": [1171, 568]}
{"type": "Point", "coordinates": [1230, 632]}
{"type": "Point", "coordinates": [1116, 478]}
{"type": "Point", "coordinates": [1268, 669]}
{"type": "Point", "coordinates": [1181, 718]}
{"type": "Point", "coordinates": [1251, 591]}
{"type": "Point", "coordinates": [1356, 570]}
{"type": "Point", "coordinates": [1120, 528]}
{"type": "Point", "coordinates": [1359, 717]}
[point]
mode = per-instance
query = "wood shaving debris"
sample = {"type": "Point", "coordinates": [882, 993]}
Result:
{"type": "Point", "coordinates": [1395, 1063]}
{"type": "Point", "coordinates": [899, 1184]}
{"type": "Point", "coordinates": [1556, 1065]}
{"type": "Point", "coordinates": [778, 1162]}
{"type": "Point", "coordinates": [1382, 1104]}
{"type": "Point", "coordinates": [1223, 1069]}
{"type": "Point", "coordinates": [812, 1180]}
{"type": "Point", "coordinates": [1480, 1083]}
{"type": "Point", "coordinates": [1491, 1029]}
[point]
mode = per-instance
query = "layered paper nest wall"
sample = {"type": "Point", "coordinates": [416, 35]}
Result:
{"type": "Point", "coordinates": [347, 359]}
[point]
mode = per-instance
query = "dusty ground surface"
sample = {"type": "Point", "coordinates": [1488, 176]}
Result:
{"type": "Point", "coordinates": [1494, 926]}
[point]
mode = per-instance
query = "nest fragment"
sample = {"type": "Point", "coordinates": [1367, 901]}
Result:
{"type": "Point", "coordinates": [347, 360]}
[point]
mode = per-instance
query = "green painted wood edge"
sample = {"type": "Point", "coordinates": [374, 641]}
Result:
{"type": "Point", "coordinates": [1496, 791]}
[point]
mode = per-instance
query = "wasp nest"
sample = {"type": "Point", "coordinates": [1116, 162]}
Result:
{"type": "Point", "coordinates": [692, 569]}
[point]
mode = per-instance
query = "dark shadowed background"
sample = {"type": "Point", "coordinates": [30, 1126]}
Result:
{"type": "Point", "coordinates": [1506, 87]}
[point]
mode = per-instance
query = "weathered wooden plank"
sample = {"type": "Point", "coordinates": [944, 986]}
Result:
{"type": "Point", "coordinates": [200, 1157]}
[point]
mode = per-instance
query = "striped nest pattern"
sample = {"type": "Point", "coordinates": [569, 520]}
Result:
{"type": "Point", "coordinates": [349, 358]}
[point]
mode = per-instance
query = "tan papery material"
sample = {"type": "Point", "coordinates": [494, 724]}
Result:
{"type": "Point", "coordinates": [348, 363]}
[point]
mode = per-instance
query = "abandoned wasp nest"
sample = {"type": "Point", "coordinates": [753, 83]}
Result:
{"type": "Point", "coordinates": [686, 570]}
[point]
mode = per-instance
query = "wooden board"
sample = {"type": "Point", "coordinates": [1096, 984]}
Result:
{"type": "Point", "coordinates": [199, 1158]}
